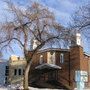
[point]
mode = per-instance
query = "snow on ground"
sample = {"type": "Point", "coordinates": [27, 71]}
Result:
{"type": "Point", "coordinates": [3, 88]}
{"type": "Point", "coordinates": [31, 88]}
{"type": "Point", "coordinates": [19, 87]}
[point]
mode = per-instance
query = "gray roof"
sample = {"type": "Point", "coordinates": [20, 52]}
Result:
{"type": "Point", "coordinates": [48, 66]}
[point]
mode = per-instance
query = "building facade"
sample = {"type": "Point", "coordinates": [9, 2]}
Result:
{"type": "Point", "coordinates": [12, 70]}
{"type": "Point", "coordinates": [16, 69]}
{"type": "Point", "coordinates": [4, 72]}
{"type": "Point", "coordinates": [57, 68]}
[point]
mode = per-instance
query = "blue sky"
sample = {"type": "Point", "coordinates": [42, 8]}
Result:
{"type": "Point", "coordinates": [63, 10]}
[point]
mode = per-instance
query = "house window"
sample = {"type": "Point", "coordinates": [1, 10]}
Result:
{"type": "Point", "coordinates": [61, 58]}
{"type": "Point", "coordinates": [51, 52]}
{"type": "Point", "coordinates": [5, 80]}
{"type": "Point", "coordinates": [15, 71]}
{"type": "Point", "coordinates": [41, 59]}
{"type": "Point", "coordinates": [7, 71]}
{"type": "Point", "coordinates": [19, 71]}
{"type": "Point", "coordinates": [51, 57]}
{"type": "Point", "coordinates": [23, 71]}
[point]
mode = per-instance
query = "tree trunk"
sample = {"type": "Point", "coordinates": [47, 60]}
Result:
{"type": "Point", "coordinates": [25, 82]}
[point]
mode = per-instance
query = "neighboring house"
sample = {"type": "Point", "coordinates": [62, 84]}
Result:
{"type": "Point", "coordinates": [12, 70]}
{"type": "Point", "coordinates": [16, 69]}
{"type": "Point", "coordinates": [4, 72]}
{"type": "Point", "coordinates": [56, 68]}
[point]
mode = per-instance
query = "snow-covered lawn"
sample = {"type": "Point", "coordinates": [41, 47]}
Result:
{"type": "Point", "coordinates": [13, 87]}
{"type": "Point", "coordinates": [20, 87]}
{"type": "Point", "coordinates": [31, 88]}
{"type": "Point", "coordinates": [3, 88]}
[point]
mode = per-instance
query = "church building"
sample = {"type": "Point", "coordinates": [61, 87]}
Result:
{"type": "Point", "coordinates": [60, 68]}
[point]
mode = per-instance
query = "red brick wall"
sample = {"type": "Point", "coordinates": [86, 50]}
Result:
{"type": "Point", "coordinates": [78, 61]}
{"type": "Point", "coordinates": [67, 74]}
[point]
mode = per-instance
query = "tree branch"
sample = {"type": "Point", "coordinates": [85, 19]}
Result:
{"type": "Point", "coordinates": [10, 39]}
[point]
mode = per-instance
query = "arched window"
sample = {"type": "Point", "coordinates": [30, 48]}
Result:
{"type": "Point", "coordinates": [51, 57]}
{"type": "Point", "coordinates": [61, 58]}
{"type": "Point", "coordinates": [41, 59]}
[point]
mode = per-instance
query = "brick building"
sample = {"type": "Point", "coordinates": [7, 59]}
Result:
{"type": "Point", "coordinates": [56, 68]}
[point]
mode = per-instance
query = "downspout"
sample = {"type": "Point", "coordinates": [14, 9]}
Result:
{"type": "Point", "coordinates": [69, 70]}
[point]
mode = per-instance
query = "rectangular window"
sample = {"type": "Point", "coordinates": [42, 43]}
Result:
{"type": "Point", "coordinates": [5, 80]}
{"type": "Point", "coordinates": [15, 71]}
{"type": "Point", "coordinates": [7, 71]}
{"type": "Point", "coordinates": [23, 71]}
{"type": "Point", "coordinates": [7, 67]}
{"type": "Point", "coordinates": [61, 58]}
{"type": "Point", "coordinates": [19, 71]}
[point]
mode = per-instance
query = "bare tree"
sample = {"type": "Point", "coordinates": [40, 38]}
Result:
{"type": "Point", "coordinates": [35, 21]}
{"type": "Point", "coordinates": [81, 18]}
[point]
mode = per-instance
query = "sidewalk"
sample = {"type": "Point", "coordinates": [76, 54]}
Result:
{"type": "Point", "coordinates": [83, 89]}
